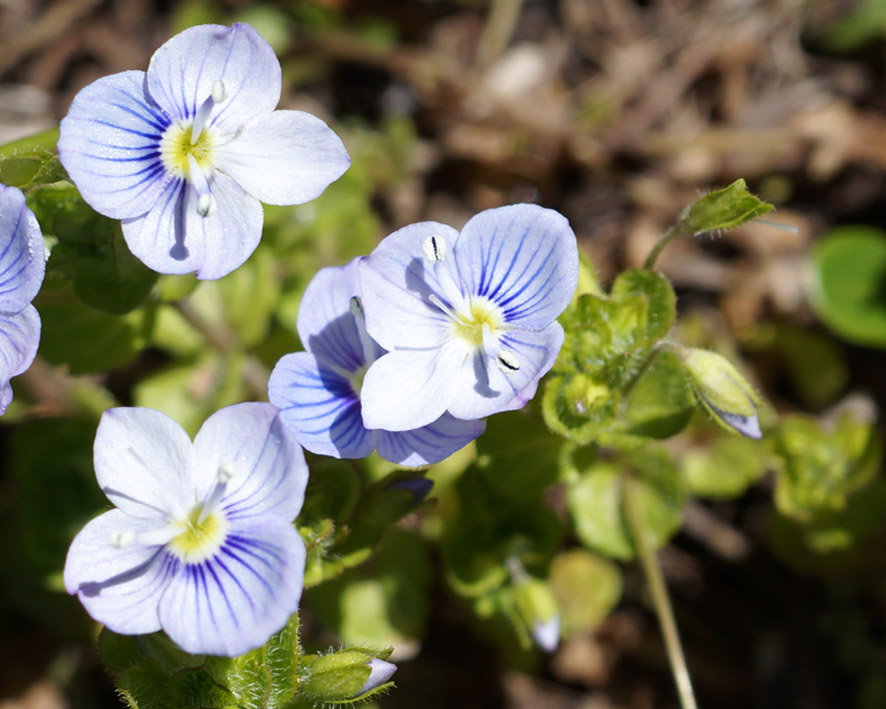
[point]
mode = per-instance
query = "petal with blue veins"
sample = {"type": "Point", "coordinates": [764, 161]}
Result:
{"type": "Point", "coordinates": [120, 586]}
{"type": "Point", "coordinates": [320, 406]}
{"type": "Point", "coordinates": [326, 326]}
{"type": "Point", "coordinates": [174, 238]}
{"type": "Point", "coordinates": [429, 444]}
{"type": "Point", "coordinates": [143, 461]}
{"type": "Point", "coordinates": [235, 601]}
{"type": "Point", "coordinates": [22, 254]}
{"type": "Point", "coordinates": [267, 469]}
{"type": "Point", "coordinates": [184, 70]}
{"type": "Point", "coordinates": [284, 157]}
{"type": "Point", "coordinates": [500, 389]}
{"type": "Point", "coordinates": [110, 145]}
{"type": "Point", "coordinates": [522, 257]}
{"type": "Point", "coordinates": [406, 390]}
{"type": "Point", "coordinates": [397, 283]}
{"type": "Point", "coordinates": [19, 337]}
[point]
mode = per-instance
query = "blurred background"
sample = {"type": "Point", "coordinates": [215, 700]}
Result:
{"type": "Point", "coordinates": [618, 113]}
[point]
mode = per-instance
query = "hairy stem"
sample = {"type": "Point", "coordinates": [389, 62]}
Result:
{"type": "Point", "coordinates": [665, 239]}
{"type": "Point", "coordinates": [659, 592]}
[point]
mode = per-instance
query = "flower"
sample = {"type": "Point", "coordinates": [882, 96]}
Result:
{"type": "Point", "coordinates": [22, 263]}
{"type": "Point", "coordinates": [201, 543]}
{"type": "Point", "coordinates": [468, 319]}
{"type": "Point", "coordinates": [182, 154]}
{"type": "Point", "coordinates": [319, 391]}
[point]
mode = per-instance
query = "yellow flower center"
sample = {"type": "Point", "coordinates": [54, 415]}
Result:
{"type": "Point", "coordinates": [470, 327]}
{"type": "Point", "coordinates": [201, 538]}
{"type": "Point", "coordinates": [176, 146]}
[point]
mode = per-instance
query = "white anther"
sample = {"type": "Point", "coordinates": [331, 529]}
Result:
{"type": "Point", "coordinates": [434, 248]}
{"type": "Point", "coordinates": [507, 362]}
{"type": "Point", "coordinates": [356, 307]}
{"type": "Point", "coordinates": [225, 472]}
{"type": "Point", "coordinates": [219, 90]}
{"type": "Point", "coordinates": [120, 539]}
{"type": "Point", "coordinates": [205, 204]}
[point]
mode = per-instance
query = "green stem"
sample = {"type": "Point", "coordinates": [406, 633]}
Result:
{"type": "Point", "coordinates": [666, 239]}
{"type": "Point", "coordinates": [659, 592]}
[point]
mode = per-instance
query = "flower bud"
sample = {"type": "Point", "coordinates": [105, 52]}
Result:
{"type": "Point", "coordinates": [346, 676]}
{"type": "Point", "coordinates": [728, 397]}
{"type": "Point", "coordinates": [537, 609]}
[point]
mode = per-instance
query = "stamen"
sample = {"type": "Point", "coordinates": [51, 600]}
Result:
{"type": "Point", "coordinates": [120, 539]}
{"type": "Point", "coordinates": [366, 342]}
{"type": "Point", "coordinates": [507, 362]}
{"type": "Point", "coordinates": [219, 94]}
{"type": "Point", "coordinates": [160, 536]}
{"type": "Point", "coordinates": [435, 299]}
{"type": "Point", "coordinates": [434, 248]}
{"type": "Point", "coordinates": [206, 203]}
{"type": "Point", "coordinates": [225, 473]}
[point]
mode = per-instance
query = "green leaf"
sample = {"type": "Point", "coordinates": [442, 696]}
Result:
{"type": "Point", "coordinates": [661, 402]}
{"type": "Point", "coordinates": [821, 467]}
{"type": "Point", "coordinates": [578, 407]}
{"type": "Point", "coordinates": [382, 603]}
{"type": "Point", "coordinates": [725, 468]}
{"type": "Point", "coordinates": [847, 283]}
{"type": "Point", "coordinates": [91, 251]}
{"type": "Point", "coordinates": [85, 339]}
{"type": "Point", "coordinates": [723, 209]}
{"type": "Point", "coordinates": [250, 294]}
{"type": "Point", "coordinates": [595, 500]}
{"type": "Point", "coordinates": [587, 588]}
{"type": "Point", "coordinates": [518, 454]}
{"type": "Point", "coordinates": [661, 302]}
{"type": "Point", "coordinates": [31, 161]}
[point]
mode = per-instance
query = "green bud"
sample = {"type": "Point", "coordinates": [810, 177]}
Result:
{"type": "Point", "coordinates": [537, 609]}
{"type": "Point", "coordinates": [724, 392]}
{"type": "Point", "coordinates": [723, 209]}
{"type": "Point", "coordinates": [346, 676]}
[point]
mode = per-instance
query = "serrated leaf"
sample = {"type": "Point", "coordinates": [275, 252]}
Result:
{"type": "Point", "coordinates": [725, 468]}
{"type": "Point", "coordinates": [578, 407]}
{"type": "Point", "coordinates": [587, 588]}
{"type": "Point", "coordinates": [31, 161]}
{"type": "Point", "coordinates": [723, 209]}
{"type": "Point", "coordinates": [661, 302]}
{"type": "Point", "coordinates": [661, 402]}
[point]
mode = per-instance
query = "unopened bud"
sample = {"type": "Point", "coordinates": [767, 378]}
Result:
{"type": "Point", "coordinates": [728, 397]}
{"type": "Point", "coordinates": [346, 676]}
{"type": "Point", "coordinates": [537, 609]}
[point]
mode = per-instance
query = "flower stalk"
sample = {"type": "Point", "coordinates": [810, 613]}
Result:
{"type": "Point", "coordinates": [660, 599]}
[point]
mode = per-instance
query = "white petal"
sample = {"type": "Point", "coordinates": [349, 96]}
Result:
{"type": "Point", "coordinates": [285, 157]}
{"type": "Point", "coordinates": [22, 260]}
{"type": "Point", "coordinates": [184, 70]}
{"type": "Point", "coordinates": [397, 280]}
{"type": "Point", "coordinates": [522, 257]}
{"type": "Point", "coordinates": [268, 466]}
{"type": "Point", "coordinates": [494, 390]}
{"type": "Point", "coordinates": [406, 390]}
{"type": "Point", "coordinates": [120, 587]}
{"type": "Point", "coordinates": [143, 463]}
{"type": "Point", "coordinates": [174, 238]}
{"type": "Point", "coordinates": [110, 145]}
{"type": "Point", "coordinates": [319, 406]}
{"type": "Point", "coordinates": [234, 602]}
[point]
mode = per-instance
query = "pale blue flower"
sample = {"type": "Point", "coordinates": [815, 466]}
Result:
{"type": "Point", "coordinates": [319, 390]}
{"type": "Point", "coordinates": [182, 154]}
{"type": "Point", "coordinates": [22, 263]}
{"type": "Point", "coordinates": [468, 319]}
{"type": "Point", "coordinates": [201, 543]}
